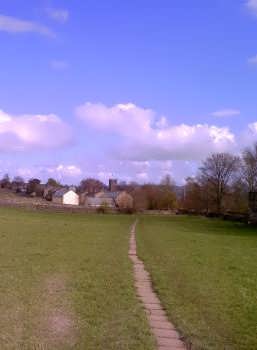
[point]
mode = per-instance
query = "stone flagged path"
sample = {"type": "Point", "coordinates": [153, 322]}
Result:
{"type": "Point", "coordinates": [166, 336]}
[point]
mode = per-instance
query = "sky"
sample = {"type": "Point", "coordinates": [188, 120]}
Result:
{"type": "Point", "coordinates": [126, 89]}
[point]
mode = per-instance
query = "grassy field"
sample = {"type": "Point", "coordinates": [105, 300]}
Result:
{"type": "Point", "coordinates": [66, 283]}
{"type": "Point", "coordinates": [205, 272]}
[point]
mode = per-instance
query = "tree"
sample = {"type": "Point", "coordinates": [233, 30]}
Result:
{"type": "Point", "coordinates": [167, 182]}
{"type": "Point", "coordinates": [125, 202]}
{"type": "Point", "coordinates": [158, 197]}
{"type": "Point", "coordinates": [103, 208]}
{"type": "Point", "coordinates": [249, 168]}
{"type": "Point", "coordinates": [5, 182]}
{"type": "Point", "coordinates": [151, 196]}
{"type": "Point", "coordinates": [193, 198]}
{"type": "Point", "coordinates": [217, 171]}
{"type": "Point", "coordinates": [91, 186]}
{"type": "Point", "coordinates": [18, 180]}
{"type": "Point", "coordinates": [236, 199]}
{"type": "Point", "coordinates": [17, 183]}
{"type": "Point", "coordinates": [167, 200]}
{"type": "Point", "coordinates": [52, 182]}
{"type": "Point", "coordinates": [32, 185]}
{"type": "Point", "coordinates": [139, 198]}
{"type": "Point", "coordinates": [166, 193]}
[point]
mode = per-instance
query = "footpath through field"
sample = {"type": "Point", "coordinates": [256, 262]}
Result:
{"type": "Point", "coordinates": [166, 336]}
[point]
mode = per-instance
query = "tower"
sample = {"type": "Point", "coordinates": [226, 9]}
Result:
{"type": "Point", "coordinates": [113, 184]}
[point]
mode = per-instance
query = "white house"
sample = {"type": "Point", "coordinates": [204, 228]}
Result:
{"type": "Point", "coordinates": [66, 196]}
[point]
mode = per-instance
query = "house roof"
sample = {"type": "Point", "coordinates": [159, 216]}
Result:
{"type": "Point", "coordinates": [52, 188]}
{"type": "Point", "coordinates": [108, 194]}
{"type": "Point", "coordinates": [61, 192]}
{"type": "Point", "coordinates": [96, 201]}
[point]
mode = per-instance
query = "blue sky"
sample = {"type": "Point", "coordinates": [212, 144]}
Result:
{"type": "Point", "coordinates": [133, 89]}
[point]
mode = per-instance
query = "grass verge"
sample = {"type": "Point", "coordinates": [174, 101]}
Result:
{"type": "Point", "coordinates": [66, 283]}
{"type": "Point", "coordinates": [205, 274]}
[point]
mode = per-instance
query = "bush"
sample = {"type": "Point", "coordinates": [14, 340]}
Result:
{"type": "Point", "coordinates": [103, 209]}
{"type": "Point", "coordinates": [125, 203]}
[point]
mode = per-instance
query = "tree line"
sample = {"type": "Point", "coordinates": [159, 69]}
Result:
{"type": "Point", "coordinates": [223, 184]}
{"type": "Point", "coordinates": [145, 197]}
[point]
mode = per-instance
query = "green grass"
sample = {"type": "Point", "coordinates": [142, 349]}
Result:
{"type": "Point", "coordinates": [205, 272]}
{"type": "Point", "coordinates": [67, 283]}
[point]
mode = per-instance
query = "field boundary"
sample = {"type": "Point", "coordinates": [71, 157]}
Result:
{"type": "Point", "coordinates": [166, 336]}
{"type": "Point", "coordinates": [51, 207]}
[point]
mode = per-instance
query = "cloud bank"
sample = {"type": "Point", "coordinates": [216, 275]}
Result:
{"type": "Point", "coordinates": [252, 60]}
{"type": "Point", "coordinates": [229, 112]}
{"type": "Point", "coordinates": [59, 65]}
{"type": "Point", "coordinates": [29, 132]}
{"type": "Point", "coordinates": [59, 15]}
{"type": "Point", "coordinates": [252, 6]}
{"type": "Point", "coordinates": [142, 135]}
{"type": "Point", "coordinates": [15, 25]}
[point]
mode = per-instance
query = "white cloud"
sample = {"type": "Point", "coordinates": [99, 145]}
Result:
{"type": "Point", "coordinates": [166, 167]}
{"type": "Point", "coordinates": [104, 176]}
{"type": "Point", "coordinates": [142, 137]}
{"type": "Point", "coordinates": [253, 128]}
{"type": "Point", "coordinates": [125, 119]}
{"type": "Point", "coordinates": [229, 112]}
{"type": "Point", "coordinates": [62, 170]}
{"type": "Point", "coordinates": [26, 173]}
{"type": "Point", "coordinates": [162, 123]}
{"type": "Point", "coordinates": [249, 136]}
{"type": "Point", "coordinates": [142, 177]}
{"type": "Point", "coordinates": [253, 60]}
{"type": "Point", "coordinates": [252, 6]}
{"type": "Point", "coordinates": [71, 173]}
{"type": "Point", "coordinates": [27, 132]}
{"type": "Point", "coordinates": [15, 25]}
{"type": "Point", "coordinates": [59, 15]}
{"type": "Point", "coordinates": [59, 65]}
{"type": "Point", "coordinates": [140, 166]}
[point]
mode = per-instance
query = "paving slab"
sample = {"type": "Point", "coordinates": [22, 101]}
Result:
{"type": "Point", "coordinates": [167, 338]}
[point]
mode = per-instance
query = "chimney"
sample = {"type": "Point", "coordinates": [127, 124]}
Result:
{"type": "Point", "coordinates": [113, 183]}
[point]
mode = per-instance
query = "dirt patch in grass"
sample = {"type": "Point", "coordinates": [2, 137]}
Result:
{"type": "Point", "coordinates": [57, 322]}
{"type": "Point", "coordinates": [11, 336]}
{"type": "Point", "coordinates": [55, 284]}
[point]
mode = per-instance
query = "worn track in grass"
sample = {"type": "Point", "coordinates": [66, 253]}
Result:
{"type": "Point", "coordinates": [166, 336]}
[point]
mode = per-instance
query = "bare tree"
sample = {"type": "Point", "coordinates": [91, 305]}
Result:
{"type": "Point", "coordinates": [140, 198]}
{"type": "Point", "coordinates": [32, 185]}
{"type": "Point", "coordinates": [236, 200]}
{"type": "Point", "coordinates": [17, 184]}
{"type": "Point", "coordinates": [18, 180]}
{"type": "Point", "coordinates": [6, 182]}
{"type": "Point", "coordinates": [193, 197]}
{"type": "Point", "coordinates": [167, 181]}
{"type": "Point", "coordinates": [52, 182]}
{"type": "Point", "coordinates": [217, 171]}
{"type": "Point", "coordinates": [91, 186]}
{"type": "Point", "coordinates": [249, 168]}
